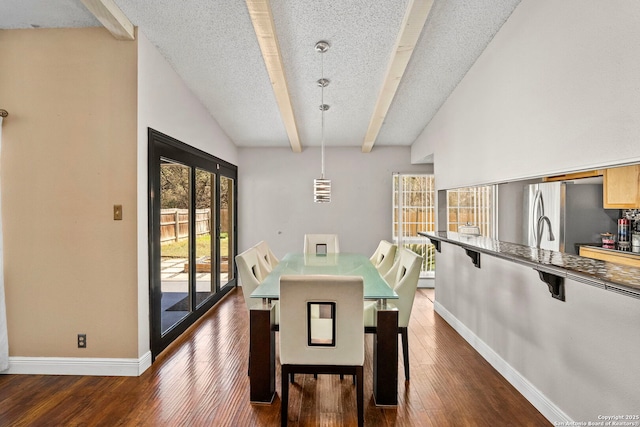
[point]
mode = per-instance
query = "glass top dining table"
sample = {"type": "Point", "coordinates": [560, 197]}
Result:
{"type": "Point", "coordinates": [342, 264]}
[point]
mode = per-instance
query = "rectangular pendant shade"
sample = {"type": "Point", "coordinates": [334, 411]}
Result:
{"type": "Point", "coordinates": [322, 190]}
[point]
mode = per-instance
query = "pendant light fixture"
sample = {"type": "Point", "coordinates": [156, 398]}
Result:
{"type": "Point", "coordinates": [322, 186]}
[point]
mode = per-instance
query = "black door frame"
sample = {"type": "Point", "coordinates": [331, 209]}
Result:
{"type": "Point", "coordinates": [164, 146]}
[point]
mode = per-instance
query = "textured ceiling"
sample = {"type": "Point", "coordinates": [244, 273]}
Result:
{"type": "Point", "coordinates": [213, 46]}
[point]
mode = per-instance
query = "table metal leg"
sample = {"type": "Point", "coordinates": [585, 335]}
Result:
{"type": "Point", "coordinates": [262, 354]}
{"type": "Point", "coordinates": [385, 358]}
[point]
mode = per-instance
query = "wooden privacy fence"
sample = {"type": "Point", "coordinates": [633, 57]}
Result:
{"type": "Point", "coordinates": [174, 223]}
{"type": "Point", "coordinates": [414, 220]}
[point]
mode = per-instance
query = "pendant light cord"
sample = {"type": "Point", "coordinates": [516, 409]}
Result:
{"type": "Point", "coordinates": [322, 113]}
{"type": "Point", "coordinates": [322, 186]}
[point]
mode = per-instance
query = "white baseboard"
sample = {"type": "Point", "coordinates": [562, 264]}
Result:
{"type": "Point", "coordinates": [528, 390]}
{"type": "Point", "coordinates": [428, 283]}
{"type": "Point", "coordinates": [78, 366]}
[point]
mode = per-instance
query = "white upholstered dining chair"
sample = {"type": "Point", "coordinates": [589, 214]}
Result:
{"type": "Point", "coordinates": [251, 273]}
{"type": "Point", "coordinates": [266, 257]}
{"type": "Point", "coordinates": [384, 256]}
{"type": "Point", "coordinates": [403, 278]}
{"type": "Point", "coordinates": [329, 343]}
{"type": "Point", "coordinates": [321, 244]}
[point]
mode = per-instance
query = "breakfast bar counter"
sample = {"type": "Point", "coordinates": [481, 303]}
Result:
{"type": "Point", "coordinates": [551, 265]}
{"type": "Point", "coordinates": [546, 320]}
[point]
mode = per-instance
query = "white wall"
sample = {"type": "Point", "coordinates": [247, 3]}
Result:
{"type": "Point", "coordinates": [276, 196]}
{"type": "Point", "coordinates": [574, 360]}
{"type": "Point", "coordinates": [166, 104]}
{"type": "Point", "coordinates": [555, 91]}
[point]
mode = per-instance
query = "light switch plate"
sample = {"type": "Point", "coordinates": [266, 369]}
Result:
{"type": "Point", "coordinates": [117, 212]}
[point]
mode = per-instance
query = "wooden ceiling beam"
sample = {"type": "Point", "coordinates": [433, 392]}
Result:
{"type": "Point", "coordinates": [412, 24]}
{"type": "Point", "coordinates": [112, 18]}
{"type": "Point", "coordinates": [262, 19]}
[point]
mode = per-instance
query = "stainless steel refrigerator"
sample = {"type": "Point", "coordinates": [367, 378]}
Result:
{"type": "Point", "coordinates": [563, 214]}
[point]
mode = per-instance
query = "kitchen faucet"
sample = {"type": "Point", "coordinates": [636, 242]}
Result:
{"type": "Point", "coordinates": [540, 230]}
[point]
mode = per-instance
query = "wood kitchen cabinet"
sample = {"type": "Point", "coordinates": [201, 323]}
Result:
{"type": "Point", "coordinates": [621, 187]}
{"type": "Point", "coordinates": [625, 258]}
{"type": "Point", "coordinates": [573, 175]}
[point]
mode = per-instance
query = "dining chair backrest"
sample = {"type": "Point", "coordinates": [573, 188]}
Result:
{"type": "Point", "coordinates": [403, 278]}
{"type": "Point", "coordinates": [297, 321]}
{"type": "Point", "coordinates": [250, 272]}
{"type": "Point", "coordinates": [321, 243]}
{"type": "Point", "coordinates": [384, 256]}
{"type": "Point", "coordinates": [266, 257]}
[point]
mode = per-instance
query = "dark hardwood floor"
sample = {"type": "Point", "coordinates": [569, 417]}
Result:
{"type": "Point", "coordinates": [202, 380]}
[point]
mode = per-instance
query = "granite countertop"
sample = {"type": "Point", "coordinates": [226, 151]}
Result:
{"type": "Point", "coordinates": [611, 276]}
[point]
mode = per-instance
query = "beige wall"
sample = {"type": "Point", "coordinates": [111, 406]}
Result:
{"type": "Point", "coordinates": [69, 155]}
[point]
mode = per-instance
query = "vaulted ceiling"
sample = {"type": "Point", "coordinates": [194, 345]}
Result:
{"type": "Point", "coordinates": [391, 64]}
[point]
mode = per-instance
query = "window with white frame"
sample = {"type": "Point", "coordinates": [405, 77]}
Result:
{"type": "Point", "coordinates": [413, 211]}
{"type": "Point", "coordinates": [472, 206]}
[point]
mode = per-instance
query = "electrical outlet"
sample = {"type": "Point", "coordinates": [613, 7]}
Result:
{"type": "Point", "coordinates": [82, 340]}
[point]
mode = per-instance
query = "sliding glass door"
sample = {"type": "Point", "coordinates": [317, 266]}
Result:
{"type": "Point", "coordinates": [192, 228]}
{"type": "Point", "coordinates": [226, 238]}
{"type": "Point", "coordinates": [206, 219]}
{"type": "Point", "coordinates": [174, 241]}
